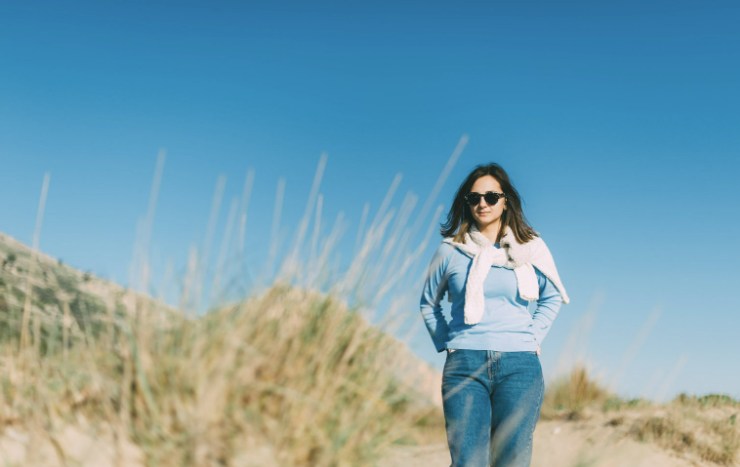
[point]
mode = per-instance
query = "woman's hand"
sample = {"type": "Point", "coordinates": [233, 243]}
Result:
{"type": "Point", "coordinates": [538, 350]}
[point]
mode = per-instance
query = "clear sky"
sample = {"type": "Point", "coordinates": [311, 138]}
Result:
{"type": "Point", "coordinates": [617, 121]}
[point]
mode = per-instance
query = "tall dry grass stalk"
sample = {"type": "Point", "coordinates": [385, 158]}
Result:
{"type": "Point", "coordinates": [24, 340]}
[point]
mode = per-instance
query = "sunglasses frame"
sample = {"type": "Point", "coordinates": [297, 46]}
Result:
{"type": "Point", "coordinates": [478, 196]}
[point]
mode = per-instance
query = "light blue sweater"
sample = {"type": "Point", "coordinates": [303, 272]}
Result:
{"type": "Point", "coordinates": [506, 325]}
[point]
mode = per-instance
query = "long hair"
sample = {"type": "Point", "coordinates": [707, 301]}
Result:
{"type": "Point", "coordinates": [459, 219]}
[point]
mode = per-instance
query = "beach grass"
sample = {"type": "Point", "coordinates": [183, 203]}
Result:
{"type": "Point", "coordinates": [292, 370]}
{"type": "Point", "coordinates": [701, 428]}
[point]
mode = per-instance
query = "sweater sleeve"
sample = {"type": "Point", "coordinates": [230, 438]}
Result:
{"type": "Point", "coordinates": [434, 289]}
{"type": "Point", "coordinates": [548, 306]}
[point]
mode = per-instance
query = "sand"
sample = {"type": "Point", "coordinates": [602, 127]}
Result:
{"type": "Point", "coordinates": [590, 443]}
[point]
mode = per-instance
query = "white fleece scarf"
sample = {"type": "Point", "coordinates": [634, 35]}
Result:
{"type": "Point", "coordinates": [522, 258]}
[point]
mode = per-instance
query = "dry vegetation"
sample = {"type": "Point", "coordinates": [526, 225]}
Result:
{"type": "Point", "coordinates": [569, 396]}
{"type": "Point", "coordinates": [695, 428]}
{"type": "Point", "coordinates": [289, 377]}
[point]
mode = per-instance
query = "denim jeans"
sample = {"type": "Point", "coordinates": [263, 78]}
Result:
{"type": "Point", "coordinates": [491, 404]}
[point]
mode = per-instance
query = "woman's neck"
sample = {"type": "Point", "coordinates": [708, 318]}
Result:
{"type": "Point", "coordinates": [491, 230]}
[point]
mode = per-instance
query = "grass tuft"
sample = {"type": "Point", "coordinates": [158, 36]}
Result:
{"type": "Point", "coordinates": [569, 396]}
{"type": "Point", "coordinates": [703, 428]}
{"type": "Point", "coordinates": [293, 370]}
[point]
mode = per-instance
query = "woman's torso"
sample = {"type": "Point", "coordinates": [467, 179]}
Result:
{"type": "Point", "coordinates": [506, 324]}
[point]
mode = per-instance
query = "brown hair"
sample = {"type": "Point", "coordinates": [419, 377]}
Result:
{"type": "Point", "coordinates": [459, 219]}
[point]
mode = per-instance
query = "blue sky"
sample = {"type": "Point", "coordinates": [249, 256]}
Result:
{"type": "Point", "coordinates": [617, 121]}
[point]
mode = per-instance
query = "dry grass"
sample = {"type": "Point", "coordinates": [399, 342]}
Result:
{"type": "Point", "coordinates": [699, 428]}
{"type": "Point", "coordinates": [291, 371]}
{"type": "Point", "coordinates": [702, 427]}
{"type": "Point", "coordinates": [294, 370]}
{"type": "Point", "coordinates": [569, 396]}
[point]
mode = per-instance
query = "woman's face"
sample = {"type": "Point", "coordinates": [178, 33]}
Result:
{"type": "Point", "coordinates": [484, 214]}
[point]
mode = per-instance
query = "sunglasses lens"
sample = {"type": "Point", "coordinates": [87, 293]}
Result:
{"type": "Point", "coordinates": [473, 198]}
{"type": "Point", "coordinates": [492, 198]}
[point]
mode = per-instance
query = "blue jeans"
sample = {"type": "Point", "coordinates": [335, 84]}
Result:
{"type": "Point", "coordinates": [491, 403]}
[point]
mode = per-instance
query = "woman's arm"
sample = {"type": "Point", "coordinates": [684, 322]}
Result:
{"type": "Point", "coordinates": [434, 288]}
{"type": "Point", "coordinates": [547, 309]}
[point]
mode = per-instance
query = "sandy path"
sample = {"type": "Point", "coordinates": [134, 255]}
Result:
{"type": "Point", "coordinates": [560, 444]}
{"type": "Point", "coordinates": [590, 443]}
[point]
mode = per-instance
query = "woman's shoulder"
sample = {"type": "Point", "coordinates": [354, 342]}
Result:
{"type": "Point", "coordinates": [445, 249]}
{"type": "Point", "coordinates": [448, 252]}
{"type": "Point", "coordinates": [442, 257]}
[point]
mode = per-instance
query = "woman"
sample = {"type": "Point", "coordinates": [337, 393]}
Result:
{"type": "Point", "coordinates": [492, 264]}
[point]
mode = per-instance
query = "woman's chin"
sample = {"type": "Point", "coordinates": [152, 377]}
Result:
{"type": "Point", "coordinates": [484, 222]}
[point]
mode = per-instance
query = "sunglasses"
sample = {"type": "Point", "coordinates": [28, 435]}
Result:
{"type": "Point", "coordinates": [490, 197]}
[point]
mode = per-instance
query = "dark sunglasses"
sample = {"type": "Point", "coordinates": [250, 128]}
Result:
{"type": "Point", "coordinates": [490, 197]}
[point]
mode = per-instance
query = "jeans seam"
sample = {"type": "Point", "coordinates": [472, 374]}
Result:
{"type": "Point", "coordinates": [489, 364]}
{"type": "Point", "coordinates": [531, 435]}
